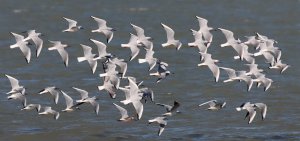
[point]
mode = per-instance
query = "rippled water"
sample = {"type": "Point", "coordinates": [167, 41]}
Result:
{"type": "Point", "coordinates": [189, 85]}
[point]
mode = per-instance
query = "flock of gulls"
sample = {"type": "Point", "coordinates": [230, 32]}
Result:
{"type": "Point", "coordinates": [114, 69]}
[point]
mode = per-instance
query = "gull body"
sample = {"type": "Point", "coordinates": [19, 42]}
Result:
{"type": "Point", "coordinates": [49, 111]}
{"type": "Point", "coordinates": [214, 105]}
{"type": "Point", "coordinates": [22, 44]}
{"type": "Point", "coordinates": [124, 114]}
{"type": "Point", "coordinates": [32, 35]}
{"type": "Point", "coordinates": [104, 29]}
{"type": "Point", "coordinates": [15, 87]}
{"type": "Point", "coordinates": [53, 91]}
{"type": "Point", "coordinates": [170, 38]}
{"type": "Point", "coordinates": [72, 27]}
{"type": "Point", "coordinates": [149, 59]}
{"type": "Point", "coordinates": [162, 123]}
{"type": "Point", "coordinates": [89, 57]}
{"type": "Point", "coordinates": [86, 99]}
{"type": "Point", "coordinates": [133, 45]}
{"type": "Point", "coordinates": [162, 71]}
{"type": "Point", "coordinates": [208, 61]}
{"type": "Point", "coordinates": [170, 109]}
{"type": "Point", "coordinates": [205, 30]}
{"type": "Point", "coordinates": [57, 45]}
{"type": "Point", "coordinates": [102, 54]}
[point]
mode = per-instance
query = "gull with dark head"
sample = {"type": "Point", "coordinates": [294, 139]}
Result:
{"type": "Point", "coordinates": [162, 121]}
{"type": "Point", "coordinates": [73, 27]}
{"type": "Point", "coordinates": [57, 45]}
{"type": "Point", "coordinates": [170, 38]}
{"type": "Point", "coordinates": [162, 71]}
{"type": "Point", "coordinates": [22, 44]}
{"type": "Point", "coordinates": [214, 105]}
{"type": "Point", "coordinates": [251, 110]}
{"type": "Point", "coordinates": [170, 109]}
{"type": "Point", "coordinates": [49, 111]}
{"type": "Point", "coordinates": [103, 28]}
{"type": "Point", "coordinates": [89, 57]}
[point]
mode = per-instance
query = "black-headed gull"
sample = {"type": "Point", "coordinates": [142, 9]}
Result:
{"type": "Point", "coordinates": [57, 45]}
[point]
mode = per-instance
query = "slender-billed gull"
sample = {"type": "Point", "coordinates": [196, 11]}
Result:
{"type": "Point", "coordinates": [20, 43]}
{"type": "Point", "coordinates": [214, 105]}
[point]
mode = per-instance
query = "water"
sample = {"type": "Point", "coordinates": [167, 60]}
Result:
{"type": "Point", "coordinates": [189, 85]}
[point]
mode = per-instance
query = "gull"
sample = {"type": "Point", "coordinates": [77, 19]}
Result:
{"type": "Point", "coordinates": [15, 87]}
{"type": "Point", "coordinates": [261, 79]}
{"type": "Point", "coordinates": [147, 93]}
{"type": "Point", "coordinates": [32, 35]}
{"type": "Point", "coordinates": [111, 74]}
{"type": "Point", "coordinates": [279, 66]}
{"type": "Point", "coordinates": [214, 105]}
{"type": "Point", "coordinates": [253, 69]}
{"type": "Point", "coordinates": [57, 45]}
{"type": "Point", "coordinates": [149, 59]}
{"type": "Point", "coordinates": [170, 109]}
{"type": "Point", "coordinates": [162, 123]}
{"type": "Point", "coordinates": [162, 71]}
{"type": "Point", "coordinates": [251, 110]}
{"type": "Point", "coordinates": [229, 37]}
{"type": "Point", "coordinates": [246, 55]}
{"type": "Point", "coordinates": [238, 75]}
{"type": "Point", "coordinates": [124, 114]}
{"type": "Point", "coordinates": [109, 87]}
{"type": "Point", "coordinates": [69, 103]}
{"type": "Point", "coordinates": [20, 43]}
{"type": "Point", "coordinates": [49, 111]}
{"type": "Point", "coordinates": [122, 64]}
{"type": "Point", "coordinates": [142, 39]}
{"type": "Point", "coordinates": [27, 107]}
{"type": "Point", "coordinates": [133, 45]}
{"type": "Point", "coordinates": [251, 40]}
{"type": "Point", "coordinates": [86, 99]}
{"type": "Point", "coordinates": [205, 30]}
{"type": "Point", "coordinates": [88, 56]}
{"type": "Point", "coordinates": [199, 42]}
{"type": "Point", "coordinates": [18, 96]}
{"type": "Point", "coordinates": [170, 38]}
{"type": "Point", "coordinates": [208, 61]}
{"type": "Point", "coordinates": [133, 97]}
{"type": "Point", "coordinates": [264, 38]}
{"type": "Point", "coordinates": [101, 50]}
{"type": "Point", "coordinates": [72, 26]}
{"type": "Point", "coordinates": [134, 80]}
{"type": "Point", "coordinates": [103, 28]}
{"type": "Point", "coordinates": [267, 46]}
{"type": "Point", "coordinates": [53, 91]}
